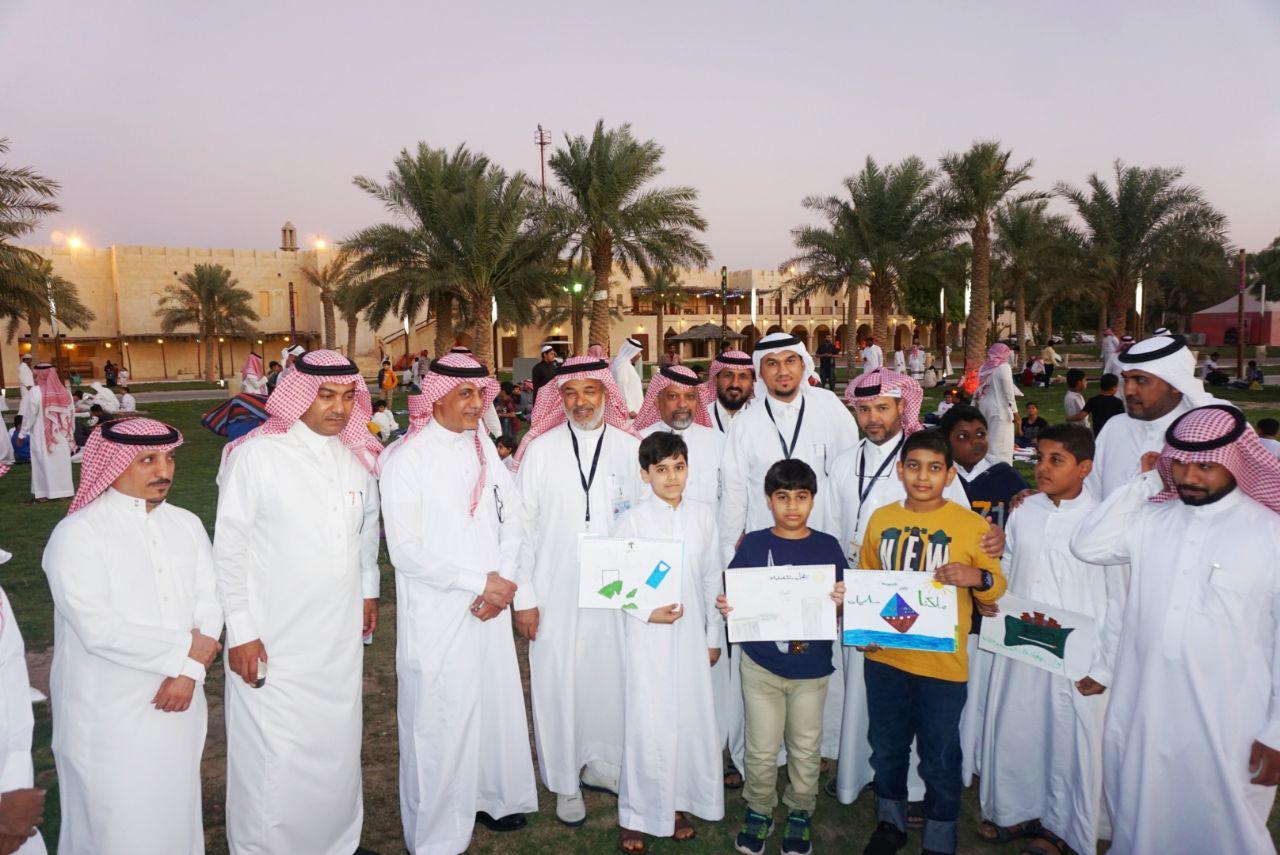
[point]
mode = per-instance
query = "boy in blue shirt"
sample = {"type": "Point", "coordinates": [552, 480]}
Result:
{"type": "Point", "coordinates": [784, 684]}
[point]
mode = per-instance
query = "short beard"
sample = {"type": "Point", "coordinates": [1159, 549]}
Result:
{"type": "Point", "coordinates": [731, 406]}
{"type": "Point", "coordinates": [681, 422]}
{"type": "Point", "coordinates": [592, 423]}
{"type": "Point", "coordinates": [1208, 498]}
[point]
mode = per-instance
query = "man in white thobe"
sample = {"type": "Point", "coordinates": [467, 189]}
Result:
{"type": "Point", "coordinates": [626, 375]}
{"type": "Point", "coordinates": [872, 357]}
{"type": "Point", "coordinates": [136, 622]}
{"type": "Point", "coordinates": [674, 404]}
{"type": "Point", "coordinates": [26, 382]}
{"type": "Point", "coordinates": [886, 405]}
{"type": "Point", "coordinates": [731, 382]}
{"type": "Point", "coordinates": [1159, 386]}
{"type": "Point", "coordinates": [1110, 348]}
{"type": "Point", "coordinates": [21, 805]}
{"type": "Point", "coordinates": [455, 543]}
{"type": "Point", "coordinates": [577, 472]}
{"type": "Point", "coordinates": [296, 552]}
{"type": "Point", "coordinates": [1191, 753]}
{"type": "Point", "coordinates": [1042, 734]}
{"type": "Point", "coordinates": [788, 419]}
{"type": "Point", "coordinates": [997, 399]}
{"type": "Point", "coordinates": [672, 750]}
{"type": "Point", "coordinates": [52, 435]}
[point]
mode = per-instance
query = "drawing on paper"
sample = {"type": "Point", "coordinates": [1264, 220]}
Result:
{"type": "Point", "coordinates": [628, 573]}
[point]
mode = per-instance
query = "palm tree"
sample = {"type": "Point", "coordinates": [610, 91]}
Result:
{"type": "Point", "coordinates": [473, 231]}
{"type": "Point", "coordinates": [35, 294]}
{"type": "Point", "coordinates": [327, 280]}
{"type": "Point", "coordinates": [569, 303]}
{"type": "Point", "coordinates": [978, 181]}
{"type": "Point", "coordinates": [212, 302]}
{"type": "Point", "coordinates": [1026, 242]}
{"type": "Point", "coordinates": [25, 197]}
{"type": "Point", "coordinates": [351, 298]}
{"type": "Point", "coordinates": [610, 216]}
{"type": "Point", "coordinates": [664, 288]}
{"type": "Point", "coordinates": [886, 224]}
{"type": "Point", "coordinates": [1133, 225]}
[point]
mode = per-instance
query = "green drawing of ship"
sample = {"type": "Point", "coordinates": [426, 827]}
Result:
{"type": "Point", "coordinates": [1037, 631]}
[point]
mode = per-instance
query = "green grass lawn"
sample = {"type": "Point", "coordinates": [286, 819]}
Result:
{"type": "Point", "coordinates": [25, 529]}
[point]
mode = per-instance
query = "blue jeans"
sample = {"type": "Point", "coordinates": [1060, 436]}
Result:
{"type": "Point", "coordinates": [904, 707]}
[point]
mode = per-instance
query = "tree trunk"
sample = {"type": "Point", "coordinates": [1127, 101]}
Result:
{"type": "Point", "coordinates": [660, 338]}
{"type": "Point", "coordinates": [881, 307]}
{"type": "Point", "coordinates": [978, 323]}
{"type": "Point", "coordinates": [330, 321]}
{"type": "Point", "coordinates": [33, 321]}
{"type": "Point", "coordinates": [353, 326]}
{"type": "Point", "coordinates": [848, 346]}
{"type": "Point", "coordinates": [1020, 312]}
{"type": "Point", "coordinates": [209, 344]}
{"type": "Point", "coordinates": [1046, 325]}
{"type": "Point", "coordinates": [444, 324]}
{"type": "Point", "coordinates": [575, 320]}
{"type": "Point", "coordinates": [602, 268]}
{"type": "Point", "coordinates": [482, 335]}
{"type": "Point", "coordinates": [1118, 310]}
{"type": "Point", "coordinates": [1102, 313]}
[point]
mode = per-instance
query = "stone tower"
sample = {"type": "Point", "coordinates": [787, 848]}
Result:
{"type": "Point", "coordinates": [289, 238]}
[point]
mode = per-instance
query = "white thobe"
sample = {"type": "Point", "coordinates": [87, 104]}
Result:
{"type": "Point", "coordinates": [1120, 446]}
{"type": "Point", "coordinates": [106, 399]}
{"type": "Point", "coordinates": [296, 551]}
{"type": "Point", "coordinates": [706, 446]}
{"type": "Point", "coordinates": [1197, 676]}
{"type": "Point", "coordinates": [755, 442]}
{"type": "Point", "coordinates": [1042, 739]}
{"type": "Point", "coordinates": [880, 487]}
{"type": "Point", "coordinates": [998, 403]}
{"type": "Point", "coordinates": [386, 424]}
{"type": "Point", "coordinates": [722, 418]}
{"type": "Point", "coordinates": [128, 587]}
{"type": "Point", "coordinates": [492, 423]}
{"type": "Point", "coordinates": [16, 720]}
{"type": "Point", "coordinates": [26, 383]}
{"type": "Point", "coordinates": [628, 378]}
{"type": "Point", "coordinates": [575, 664]}
{"type": "Point", "coordinates": [872, 358]}
{"type": "Point", "coordinates": [1110, 350]}
{"type": "Point", "coordinates": [671, 745]}
{"type": "Point", "coordinates": [128, 403]}
{"type": "Point", "coordinates": [6, 445]}
{"type": "Point", "coordinates": [915, 364]}
{"type": "Point", "coordinates": [464, 744]}
{"type": "Point", "coordinates": [253, 385]}
{"type": "Point", "coordinates": [899, 362]}
{"type": "Point", "coordinates": [50, 470]}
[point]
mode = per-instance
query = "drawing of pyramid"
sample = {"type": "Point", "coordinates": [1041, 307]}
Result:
{"type": "Point", "coordinates": [898, 614]}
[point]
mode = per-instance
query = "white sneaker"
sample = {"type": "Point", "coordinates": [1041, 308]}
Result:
{"type": "Point", "coordinates": [571, 810]}
{"type": "Point", "coordinates": [593, 779]}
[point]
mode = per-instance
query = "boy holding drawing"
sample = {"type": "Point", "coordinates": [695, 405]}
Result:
{"type": "Point", "coordinates": [1043, 777]}
{"type": "Point", "coordinates": [784, 683]}
{"type": "Point", "coordinates": [671, 759]}
{"type": "Point", "coordinates": [918, 694]}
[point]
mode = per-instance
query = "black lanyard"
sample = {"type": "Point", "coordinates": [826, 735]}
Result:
{"type": "Point", "coordinates": [595, 460]}
{"type": "Point", "coordinates": [865, 491]}
{"type": "Point", "coordinates": [715, 411]}
{"type": "Point", "coordinates": [795, 435]}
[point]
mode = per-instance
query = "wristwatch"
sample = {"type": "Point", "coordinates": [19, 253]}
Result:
{"type": "Point", "coordinates": [987, 581]}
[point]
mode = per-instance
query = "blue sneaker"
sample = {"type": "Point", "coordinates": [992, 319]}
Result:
{"type": "Point", "coordinates": [797, 840]}
{"type": "Point", "coordinates": [756, 828]}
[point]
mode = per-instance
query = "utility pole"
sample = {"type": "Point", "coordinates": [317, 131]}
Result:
{"type": "Point", "coordinates": [1240, 316]}
{"type": "Point", "coordinates": [542, 139]}
{"type": "Point", "coordinates": [293, 321]}
{"type": "Point", "coordinates": [724, 307]}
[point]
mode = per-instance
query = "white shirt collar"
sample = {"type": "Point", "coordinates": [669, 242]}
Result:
{"type": "Point", "coordinates": [128, 504]}
{"type": "Point", "coordinates": [873, 453]}
{"type": "Point", "coordinates": [443, 434]}
{"type": "Point", "coordinates": [780, 407]}
{"type": "Point", "coordinates": [309, 438]}
{"type": "Point", "coordinates": [981, 466]}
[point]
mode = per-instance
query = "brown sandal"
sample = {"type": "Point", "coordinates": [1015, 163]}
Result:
{"type": "Point", "coordinates": [995, 834]}
{"type": "Point", "coordinates": [1046, 838]}
{"type": "Point", "coordinates": [632, 842]}
{"type": "Point", "coordinates": [684, 830]}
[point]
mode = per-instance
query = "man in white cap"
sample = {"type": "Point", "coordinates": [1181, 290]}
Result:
{"type": "Point", "coordinates": [788, 419]}
{"type": "Point", "coordinates": [1191, 753]}
{"type": "Point", "coordinates": [577, 472]}
{"type": "Point", "coordinates": [627, 377]}
{"type": "Point", "coordinates": [674, 404]}
{"type": "Point", "coordinates": [136, 622]}
{"type": "Point", "coordinates": [296, 553]}
{"type": "Point", "coordinates": [1159, 386]}
{"type": "Point", "coordinates": [455, 543]}
{"type": "Point", "coordinates": [731, 381]}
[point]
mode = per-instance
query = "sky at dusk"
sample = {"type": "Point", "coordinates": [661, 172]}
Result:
{"type": "Point", "coordinates": [211, 124]}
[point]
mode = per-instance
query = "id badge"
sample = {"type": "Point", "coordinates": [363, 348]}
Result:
{"type": "Point", "coordinates": [618, 496]}
{"type": "Point", "coordinates": [820, 457]}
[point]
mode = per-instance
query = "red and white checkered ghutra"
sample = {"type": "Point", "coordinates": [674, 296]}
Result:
{"type": "Point", "coordinates": [883, 382]}
{"type": "Point", "coordinates": [548, 409]}
{"type": "Point", "coordinates": [649, 413]}
{"type": "Point", "coordinates": [112, 448]}
{"type": "Point", "coordinates": [1220, 434]}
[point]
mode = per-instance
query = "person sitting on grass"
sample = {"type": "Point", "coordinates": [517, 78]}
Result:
{"type": "Point", "coordinates": [784, 684]}
{"type": "Point", "coordinates": [385, 421]}
{"type": "Point", "coordinates": [128, 403]}
{"type": "Point", "coordinates": [915, 695]}
{"type": "Point", "coordinates": [671, 760]}
{"type": "Point", "coordinates": [1042, 778]}
{"type": "Point", "coordinates": [22, 443]}
{"type": "Point", "coordinates": [1032, 425]}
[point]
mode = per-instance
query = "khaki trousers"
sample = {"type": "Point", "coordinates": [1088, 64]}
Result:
{"type": "Point", "coordinates": [778, 711]}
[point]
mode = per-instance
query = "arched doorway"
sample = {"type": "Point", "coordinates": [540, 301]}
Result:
{"type": "Point", "coordinates": [752, 336]}
{"type": "Point", "coordinates": [902, 337]}
{"type": "Point", "coordinates": [801, 333]}
{"type": "Point", "coordinates": [840, 331]}
{"type": "Point", "coordinates": [821, 333]}
{"type": "Point", "coordinates": [773, 328]}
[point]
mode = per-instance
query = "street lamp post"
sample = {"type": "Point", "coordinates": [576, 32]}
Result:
{"type": "Point", "coordinates": [724, 306]}
{"type": "Point", "coordinates": [163, 363]}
